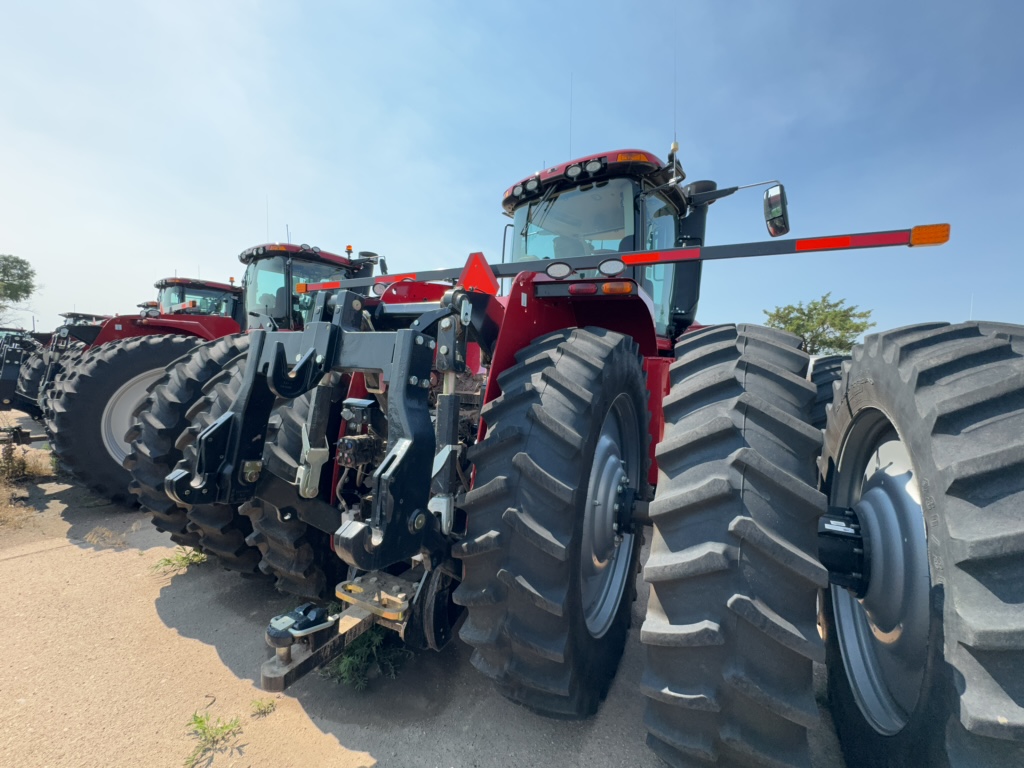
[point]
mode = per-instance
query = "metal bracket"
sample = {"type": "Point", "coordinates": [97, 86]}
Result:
{"type": "Point", "coordinates": [311, 461]}
{"type": "Point", "coordinates": [444, 508]}
{"type": "Point", "coordinates": [380, 593]}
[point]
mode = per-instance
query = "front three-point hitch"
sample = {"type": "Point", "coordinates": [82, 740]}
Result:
{"type": "Point", "coordinates": [415, 607]}
{"type": "Point", "coordinates": [406, 516]}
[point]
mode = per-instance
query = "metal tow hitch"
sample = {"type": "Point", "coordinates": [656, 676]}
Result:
{"type": "Point", "coordinates": [307, 637]}
{"type": "Point", "coordinates": [844, 550]}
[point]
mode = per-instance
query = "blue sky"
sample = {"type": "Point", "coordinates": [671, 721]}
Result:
{"type": "Point", "coordinates": [137, 140]}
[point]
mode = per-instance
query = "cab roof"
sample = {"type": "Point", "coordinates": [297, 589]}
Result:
{"type": "Point", "coordinates": [636, 163]}
{"type": "Point", "coordinates": [309, 253]}
{"type": "Point", "coordinates": [196, 283]}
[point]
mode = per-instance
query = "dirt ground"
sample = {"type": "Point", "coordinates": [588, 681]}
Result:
{"type": "Point", "coordinates": [107, 660]}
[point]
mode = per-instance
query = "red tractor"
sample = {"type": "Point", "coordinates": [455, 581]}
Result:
{"type": "Point", "coordinates": [95, 370]}
{"type": "Point", "coordinates": [180, 302]}
{"type": "Point", "coordinates": [176, 395]}
{"type": "Point", "coordinates": [440, 449]}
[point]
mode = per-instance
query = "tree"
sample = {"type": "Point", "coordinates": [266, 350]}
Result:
{"type": "Point", "coordinates": [17, 282]}
{"type": "Point", "coordinates": [826, 326]}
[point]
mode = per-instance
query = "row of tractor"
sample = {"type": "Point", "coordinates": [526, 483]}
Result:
{"type": "Point", "coordinates": [482, 450]}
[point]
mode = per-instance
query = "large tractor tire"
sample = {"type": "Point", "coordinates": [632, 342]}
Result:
{"type": "Point", "coordinates": [30, 378]}
{"type": "Point", "coordinates": [925, 442]}
{"type": "Point", "coordinates": [158, 422]}
{"type": "Point", "coordinates": [219, 529]}
{"type": "Point", "coordinates": [92, 403]}
{"type": "Point", "coordinates": [731, 628]}
{"type": "Point", "coordinates": [57, 364]}
{"type": "Point", "coordinates": [296, 554]}
{"type": "Point", "coordinates": [825, 372]}
{"type": "Point", "coordinates": [549, 574]}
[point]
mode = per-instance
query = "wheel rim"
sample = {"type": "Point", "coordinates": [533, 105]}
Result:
{"type": "Point", "coordinates": [605, 554]}
{"type": "Point", "coordinates": [883, 637]}
{"type": "Point", "coordinates": [118, 414]}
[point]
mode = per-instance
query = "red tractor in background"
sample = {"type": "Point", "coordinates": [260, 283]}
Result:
{"type": "Point", "coordinates": [194, 386]}
{"type": "Point", "coordinates": [443, 449]}
{"type": "Point", "coordinates": [95, 372]}
{"type": "Point", "coordinates": [93, 404]}
{"type": "Point", "coordinates": [180, 301]}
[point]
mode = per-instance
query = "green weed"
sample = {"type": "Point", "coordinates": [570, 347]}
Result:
{"type": "Point", "coordinates": [212, 736]}
{"type": "Point", "coordinates": [377, 646]}
{"type": "Point", "coordinates": [263, 707]}
{"type": "Point", "coordinates": [182, 558]}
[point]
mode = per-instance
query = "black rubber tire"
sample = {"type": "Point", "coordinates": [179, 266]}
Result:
{"type": "Point", "coordinates": [955, 395]}
{"type": "Point", "coordinates": [521, 584]}
{"type": "Point", "coordinates": [296, 554]}
{"type": "Point", "coordinates": [159, 421]}
{"type": "Point", "coordinates": [30, 378]}
{"type": "Point", "coordinates": [825, 373]}
{"type": "Point", "coordinates": [59, 363]}
{"type": "Point", "coordinates": [219, 528]}
{"type": "Point", "coordinates": [82, 392]}
{"type": "Point", "coordinates": [731, 632]}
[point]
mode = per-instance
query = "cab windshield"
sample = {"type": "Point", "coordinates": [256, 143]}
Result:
{"type": "Point", "coordinates": [208, 301]}
{"type": "Point", "coordinates": [591, 219]}
{"type": "Point", "coordinates": [270, 289]}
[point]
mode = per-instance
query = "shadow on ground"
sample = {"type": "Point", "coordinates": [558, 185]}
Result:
{"type": "Point", "coordinates": [439, 710]}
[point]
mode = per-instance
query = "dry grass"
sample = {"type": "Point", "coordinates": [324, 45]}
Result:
{"type": "Point", "coordinates": [19, 463]}
{"type": "Point", "coordinates": [12, 513]}
{"type": "Point", "coordinates": [104, 537]}
{"type": "Point", "coordinates": [39, 464]}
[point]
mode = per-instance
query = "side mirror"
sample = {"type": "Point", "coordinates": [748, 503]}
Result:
{"type": "Point", "coordinates": [776, 213]}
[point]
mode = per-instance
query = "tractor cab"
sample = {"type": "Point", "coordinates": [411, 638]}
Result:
{"type": "Point", "coordinates": [616, 203]}
{"type": "Point", "coordinates": [183, 295]}
{"type": "Point", "coordinates": [273, 271]}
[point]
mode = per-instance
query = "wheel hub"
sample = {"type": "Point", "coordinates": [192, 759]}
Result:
{"type": "Point", "coordinates": [883, 633]}
{"type": "Point", "coordinates": [119, 411]}
{"type": "Point", "coordinates": [606, 547]}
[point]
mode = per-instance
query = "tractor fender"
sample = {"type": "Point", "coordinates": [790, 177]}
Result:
{"type": "Point", "coordinates": [528, 317]}
{"type": "Point", "coordinates": [206, 327]}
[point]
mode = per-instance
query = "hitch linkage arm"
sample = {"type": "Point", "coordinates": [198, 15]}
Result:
{"type": "Point", "coordinates": [286, 365]}
{"type": "Point", "coordinates": [229, 452]}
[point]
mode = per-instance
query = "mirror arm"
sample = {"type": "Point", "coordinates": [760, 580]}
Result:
{"type": "Point", "coordinates": [703, 198]}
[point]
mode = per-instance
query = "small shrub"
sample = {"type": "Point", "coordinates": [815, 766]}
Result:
{"type": "Point", "coordinates": [13, 465]}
